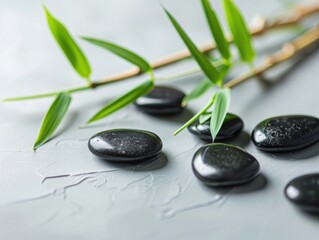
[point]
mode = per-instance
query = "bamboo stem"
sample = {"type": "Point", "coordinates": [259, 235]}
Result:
{"type": "Point", "coordinates": [288, 51]}
{"type": "Point", "coordinates": [259, 26]}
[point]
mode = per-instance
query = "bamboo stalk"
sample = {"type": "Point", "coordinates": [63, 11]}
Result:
{"type": "Point", "coordinates": [259, 26]}
{"type": "Point", "coordinates": [288, 51]}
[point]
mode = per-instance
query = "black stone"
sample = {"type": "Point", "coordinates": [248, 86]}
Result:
{"type": "Point", "coordinates": [304, 192]}
{"type": "Point", "coordinates": [224, 165]}
{"type": "Point", "coordinates": [231, 128]}
{"type": "Point", "coordinates": [124, 145]}
{"type": "Point", "coordinates": [286, 133]}
{"type": "Point", "coordinates": [161, 100]}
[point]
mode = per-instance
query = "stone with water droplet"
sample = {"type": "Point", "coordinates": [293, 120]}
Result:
{"type": "Point", "coordinates": [286, 133]}
{"type": "Point", "coordinates": [231, 128]}
{"type": "Point", "coordinates": [162, 100]}
{"type": "Point", "coordinates": [125, 145]}
{"type": "Point", "coordinates": [304, 192]}
{"type": "Point", "coordinates": [224, 165]}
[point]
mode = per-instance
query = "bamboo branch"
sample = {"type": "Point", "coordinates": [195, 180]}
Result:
{"type": "Point", "coordinates": [259, 26]}
{"type": "Point", "coordinates": [288, 51]}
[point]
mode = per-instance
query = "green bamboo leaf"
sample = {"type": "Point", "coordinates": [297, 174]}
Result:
{"type": "Point", "coordinates": [70, 48]}
{"type": "Point", "coordinates": [198, 91]}
{"type": "Point", "coordinates": [121, 52]}
{"type": "Point", "coordinates": [53, 118]}
{"type": "Point", "coordinates": [219, 110]}
{"type": "Point", "coordinates": [204, 117]}
{"type": "Point", "coordinates": [209, 70]}
{"type": "Point", "coordinates": [216, 30]}
{"type": "Point", "coordinates": [239, 30]}
{"type": "Point", "coordinates": [196, 116]}
{"type": "Point", "coordinates": [123, 101]}
{"type": "Point", "coordinates": [205, 85]}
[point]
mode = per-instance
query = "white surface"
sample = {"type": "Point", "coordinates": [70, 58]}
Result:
{"type": "Point", "coordinates": [93, 199]}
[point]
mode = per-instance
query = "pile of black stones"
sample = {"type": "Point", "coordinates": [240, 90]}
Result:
{"type": "Point", "coordinates": [217, 164]}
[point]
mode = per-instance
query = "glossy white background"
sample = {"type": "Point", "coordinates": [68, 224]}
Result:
{"type": "Point", "coordinates": [92, 199]}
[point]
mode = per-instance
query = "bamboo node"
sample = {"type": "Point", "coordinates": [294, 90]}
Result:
{"type": "Point", "coordinates": [258, 23]}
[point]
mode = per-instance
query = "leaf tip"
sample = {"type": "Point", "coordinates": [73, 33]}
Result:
{"type": "Point", "coordinates": [36, 146]}
{"type": "Point", "coordinates": [46, 10]}
{"type": "Point", "coordinates": [91, 120]}
{"type": "Point", "coordinates": [162, 6]}
{"type": "Point", "coordinates": [165, 9]}
{"type": "Point", "coordinates": [84, 38]}
{"type": "Point", "coordinates": [213, 138]}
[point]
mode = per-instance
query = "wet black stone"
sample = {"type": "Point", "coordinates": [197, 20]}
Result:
{"type": "Point", "coordinates": [224, 165]}
{"type": "Point", "coordinates": [231, 128]}
{"type": "Point", "coordinates": [286, 133]}
{"type": "Point", "coordinates": [125, 145]}
{"type": "Point", "coordinates": [161, 100]}
{"type": "Point", "coordinates": [304, 192]}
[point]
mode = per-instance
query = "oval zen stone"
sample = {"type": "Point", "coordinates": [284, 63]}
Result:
{"type": "Point", "coordinates": [304, 192]}
{"type": "Point", "coordinates": [224, 165]}
{"type": "Point", "coordinates": [232, 126]}
{"type": "Point", "coordinates": [286, 133]}
{"type": "Point", "coordinates": [161, 100]}
{"type": "Point", "coordinates": [125, 145]}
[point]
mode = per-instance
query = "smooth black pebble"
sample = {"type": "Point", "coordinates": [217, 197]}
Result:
{"type": "Point", "coordinates": [304, 192]}
{"type": "Point", "coordinates": [231, 128]}
{"type": "Point", "coordinates": [224, 165]}
{"type": "Point", "coordinates": [161, 100]}
{"type": "Point", "coordinates": [286, 133]}
{"type": "Point", "coordinates": [125, 145]}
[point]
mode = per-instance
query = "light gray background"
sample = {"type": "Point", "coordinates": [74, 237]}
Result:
{"type": "Point", "coordinates": [92, 199]}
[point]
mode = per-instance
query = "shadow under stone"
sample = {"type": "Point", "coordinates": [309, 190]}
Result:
{"type": "Point", "coordinates": [293, 65]}
{"type": "Point", "coordinates": [257, 184]}
{"type": "Point", "coordinates": [181, 117]}
{"type": "Point", "coordinates": [151, 164]}
{"type": "Point", "coordinates": [310, 214]}
{"type": "Point", "coordinates": [305, 153]}
{"type": "Point", "coordinates": [242, 140]}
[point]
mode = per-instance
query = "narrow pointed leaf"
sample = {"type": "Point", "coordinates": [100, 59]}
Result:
{"type": "Point", "coordinates": [216, 30]}
{"type": "Point", "coordinates": [121, 52]}
{"type": "Point", "coordinates": [53, 119]}
{"type": "Point", "coordinates": [70, 48]}
{"type": "Point", "coordinates": [239, 30]}
{"type": "Point", "coordinates": [198, 91]}
{"type": "Point", "coordinates": [219, 110]}
{"type": "Point", "coordinates": [204, 117]}
{"type": "Point", "coordinates": [209, 70]}
{"type": "Point", "coordinates": [204, 85]}
{"type": "Point", "coordinates": [223, 69]}
{"type": "Point", "coordinates": [195, 117]}
{"type": "Point", "coordinates": [123, 101]}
